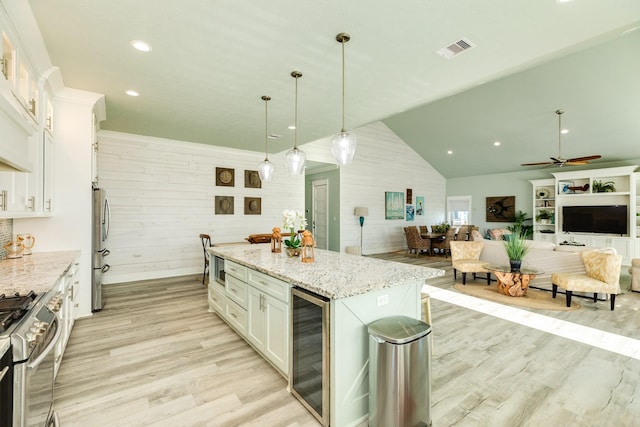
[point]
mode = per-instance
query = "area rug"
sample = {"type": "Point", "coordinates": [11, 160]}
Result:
{"type": "Point", "coordinates": [534, 298]}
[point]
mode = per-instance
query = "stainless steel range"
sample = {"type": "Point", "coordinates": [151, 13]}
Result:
{"type": "Point", "coordinates": [33, 330]}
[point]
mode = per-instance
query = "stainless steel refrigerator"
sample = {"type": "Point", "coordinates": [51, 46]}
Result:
{"type": "Point", "coordinates": [100, 234]}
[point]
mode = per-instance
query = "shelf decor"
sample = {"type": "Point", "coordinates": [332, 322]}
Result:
{"type": "Point", "coordinates": [603, 187]}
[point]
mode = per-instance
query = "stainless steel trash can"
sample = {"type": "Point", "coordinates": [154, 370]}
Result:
{"type": "Point", "coordinates": [399, 372]}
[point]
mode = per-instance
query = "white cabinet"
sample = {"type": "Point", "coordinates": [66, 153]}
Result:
{"type": "Point", "coordinates": [268, 325]}
{"type": "Point", "coordinates": [64, 289]}
{"type": "Point", "coordinates": [544, 210]}
{"type": "Point", "coordinates": [48, 174]}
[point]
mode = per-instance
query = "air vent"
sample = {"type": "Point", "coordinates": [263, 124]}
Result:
{"type": "Point", "coordinates": [455, 48]}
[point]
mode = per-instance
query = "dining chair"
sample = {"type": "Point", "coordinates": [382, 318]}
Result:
{"type": "Point", "coordinates": [415, 242]}
{"type": "Point", "coordinates": [205, 239]}
{"type": "Point", "coordinates": [443, 244]}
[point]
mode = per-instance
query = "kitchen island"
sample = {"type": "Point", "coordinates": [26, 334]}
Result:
{"type": "Point", "coordinates": [359, 290]}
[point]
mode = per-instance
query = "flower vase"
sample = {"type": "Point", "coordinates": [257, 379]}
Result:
{"type": "Point", "coordinates": [293, 252]}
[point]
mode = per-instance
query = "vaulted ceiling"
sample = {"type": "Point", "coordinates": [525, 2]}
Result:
{"type": "Point", "coordinates": [211, 61]}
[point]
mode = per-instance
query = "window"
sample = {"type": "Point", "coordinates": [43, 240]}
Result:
{"type": "Point", "coordinates": [459, 210]}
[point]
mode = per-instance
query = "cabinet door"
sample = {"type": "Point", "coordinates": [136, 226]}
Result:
{"type": "Point", "coordinates": [256, 328]}
{"type": "Point", "coordinates": [48, 174]}
{"type": "Point", "coordinates": [216, 299]}
{"type": "Point", "coordinates": [277, 334]}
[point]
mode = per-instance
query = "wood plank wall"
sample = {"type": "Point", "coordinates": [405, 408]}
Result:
{"type": "Point", "coordinates": [162, 196]}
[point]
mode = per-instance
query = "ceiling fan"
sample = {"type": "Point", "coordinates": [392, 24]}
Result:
{"type": "Point", "coordinates": [559, 160]}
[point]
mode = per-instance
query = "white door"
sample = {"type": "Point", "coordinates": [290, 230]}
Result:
{"type": "Point", "coordinates": [320, 213]}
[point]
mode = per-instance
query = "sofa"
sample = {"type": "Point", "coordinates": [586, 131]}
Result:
{"type": "Point", "coordinates": [544, 256]}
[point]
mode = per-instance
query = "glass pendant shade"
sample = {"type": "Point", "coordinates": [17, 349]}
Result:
{"type": "Point", "coordinates": [343, 147]}
{"type": "Point", "coordinates": [265, 170]}
{"type": "Point", "coordinates": [295, 159]}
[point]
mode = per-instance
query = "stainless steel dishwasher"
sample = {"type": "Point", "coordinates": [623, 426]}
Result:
{"type": "Point", "coordinates": [309, 378]}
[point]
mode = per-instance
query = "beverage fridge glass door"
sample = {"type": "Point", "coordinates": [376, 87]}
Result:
{"type": "Point", "coordinates": [309, 376]}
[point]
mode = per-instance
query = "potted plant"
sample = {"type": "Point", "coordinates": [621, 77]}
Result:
{"type": "Point", "coordinates": [440, 228]}
{"type": "Point", "coordinates": [526, 230]}
{"type": "Point", "coordinates": [603, 187]}
{"type": "Point", "coordinates": [516, 248]}
{"type": "Point", "coordinates": [544, 216]}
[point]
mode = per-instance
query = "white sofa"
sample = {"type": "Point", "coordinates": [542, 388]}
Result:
{"type": "Point", "coordinates": [544, 256]}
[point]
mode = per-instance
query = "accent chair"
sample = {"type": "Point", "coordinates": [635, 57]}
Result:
{"type": "Point", "coordinates": [602, 276]}
{"type": "Point", "coordinates": [465, 258]}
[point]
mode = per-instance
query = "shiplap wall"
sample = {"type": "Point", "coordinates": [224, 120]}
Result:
{"type": "Point", "coordinates": [162, 197]}
{"type": "Point", "coordinates": [383, 162]}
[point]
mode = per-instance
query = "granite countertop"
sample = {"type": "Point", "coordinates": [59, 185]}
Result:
{"type": "Point", "coordinates": [38, 272]}
{"type": "Point", "coordinates": [334, 275]}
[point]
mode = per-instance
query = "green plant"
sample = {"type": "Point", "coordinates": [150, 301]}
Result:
{"type": "Point", "coordinates": [516, 246]}
{"type": "Point", "coordinates": [519, 226]}
{"type": "Point", "coordinates": [440, 228]}
{"type": "Point", "coordinates": [603, 187]}
{"type": "Point", "coordinates": [543, 214]}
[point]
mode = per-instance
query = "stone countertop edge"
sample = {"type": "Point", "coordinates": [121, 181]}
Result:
{"type": "Point", "coordinates": [334, 275]}
{"type": "Point", "coordinates": [37, 272]}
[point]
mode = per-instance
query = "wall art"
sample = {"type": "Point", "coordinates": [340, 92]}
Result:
{"type": "Point", "coordinates": [225, 177]}
{"type": "Point", "coordinates": [252, 179]}
{"type": "Point", "coordinates": [409, 196]}
{"type": "Point", "coordinates": [501, 209]}
{"type": "Point", "coordinates": [252, 205]}
{"type": "Point", "coordinates": [393, 205]}
{"type": "Point", "coordinates": [419, 205]}
{"type": "Point", "coordinates": [410, 212]}
{"type": "Point", "coordinates": [224, 205]}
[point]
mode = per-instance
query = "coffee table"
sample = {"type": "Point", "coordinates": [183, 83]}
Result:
{"type": "Point", "coordinates": [513, 283]}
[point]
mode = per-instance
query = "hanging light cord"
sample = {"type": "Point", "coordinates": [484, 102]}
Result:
{"type": "Point", "coordinates": [342, 41]}
{"type": "Point", "coordinates": [559, 112]}
{"type": "Point", "coordinates": [295, 117]}
{"type": "Point", "coordinates": [266, 153]}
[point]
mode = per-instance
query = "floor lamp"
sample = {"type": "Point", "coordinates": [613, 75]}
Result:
{"type": "Point", "coordinates": [361, 212]}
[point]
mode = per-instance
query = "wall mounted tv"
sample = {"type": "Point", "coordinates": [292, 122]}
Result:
{"type": "Point", "coordinates": [611, 219]}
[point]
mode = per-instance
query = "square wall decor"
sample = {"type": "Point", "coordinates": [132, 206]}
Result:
{"type": "Point", "coordinates": [252, 205]}
{"type": "Point", "coordinates": [252, 179]}
{"type": "Point", "coordinates": [501, 209]}
{"type": "Point", "coordinates": [224, 205]}
{"type": "Point", "coordinates": [225, 177]}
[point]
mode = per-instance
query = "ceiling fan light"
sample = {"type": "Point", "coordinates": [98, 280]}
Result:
{"type": "Point", "coordinates": [343, 147]}
{"type": "Point", "coordinates": [295, 159]}
{"type": "Point", "coordinates": [265, 170]}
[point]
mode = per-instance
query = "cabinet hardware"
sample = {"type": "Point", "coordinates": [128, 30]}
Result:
{"type": "Point", "coordinates": [233, 290]}
{"type": "Point", "coordinates": [49, 205]}
{"type": "Point", "coordinates": [49, 122]}
{"type": "Point", "coordinates": [32, 106]}
{"type": "Point", "coordinates": [3, 206]}
{"type": "Point", "coordinates": [4, 62]}
{"type": "Point", "coordinates": [32, 203]}
{"type": "Point", "coordinates": [233, 315]}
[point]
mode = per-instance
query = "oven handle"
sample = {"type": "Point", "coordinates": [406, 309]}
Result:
{"type": "Point", "coordinates": [4, 372]}
{"type": "Point", "coordinates": [49, 348]}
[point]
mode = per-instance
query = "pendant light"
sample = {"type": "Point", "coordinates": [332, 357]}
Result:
{"type": "Point", "coordinates": [295, 157]}
{"type": "Point", "coordinates": [265, 168]}
{"type": "Point", "coordinates": [344, 144]}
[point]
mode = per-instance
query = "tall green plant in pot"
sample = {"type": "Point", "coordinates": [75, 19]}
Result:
{"type": "Point", "coordinates": [516, 247]}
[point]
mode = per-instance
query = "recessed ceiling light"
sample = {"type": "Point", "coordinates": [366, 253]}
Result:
{"type": "Point", "coordinates": [292, 127]}
{"type": "Point", "coordinates": [564, 131]}
{"type": "Point", "coordinates": [141, 45]}
{"type": "Point", "coordinates": [449, 152]}
{"type": "Point", "coordinates": [132, 93]}
{"type": "Point", "coordinates": [563, 1]}
{"type": "Point", "coordinates": [497, 143]}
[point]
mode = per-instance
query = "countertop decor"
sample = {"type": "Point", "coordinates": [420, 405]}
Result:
{"type": "Point", "coordinates": [333, 274]}
{"type": "Point", "coordinates": [37, 272]}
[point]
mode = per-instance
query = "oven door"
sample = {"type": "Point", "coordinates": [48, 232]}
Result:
{"type": "Point", "coordinates": [33, 388]}
{"type": "Point", "coordinates": [6, 387]}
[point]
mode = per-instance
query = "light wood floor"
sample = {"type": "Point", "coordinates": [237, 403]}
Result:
{"type": "Point", "coordinates": [155, 356]}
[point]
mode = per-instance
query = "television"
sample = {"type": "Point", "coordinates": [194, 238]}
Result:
{"type": "Point", "coordinates": [612, 219]}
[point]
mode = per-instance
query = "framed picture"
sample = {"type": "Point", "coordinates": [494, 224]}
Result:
{"type": "Point", "coordinates": [501, 209]}
{"type": "Point", "coordinates": [225, 177]}
{"type": "Point", "coordinates": [419, 205]}
{"type": "Point", "coordinates": [410, 212]}
{"type": "Point", "coordinates": [252, 205]}
{"type": "Point", "coordinates": [252, 179]}
{"type": "Point", "coordinates": [224, 205]}
{"type": "Point", "coordinates": [409, 196]}
{"type": "Point", "coordinates": [393, 205]}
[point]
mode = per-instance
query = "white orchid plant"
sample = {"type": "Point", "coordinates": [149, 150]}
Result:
{"type": "Point", "coordinates": [290, 218]}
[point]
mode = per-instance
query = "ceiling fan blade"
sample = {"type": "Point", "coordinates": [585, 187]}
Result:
{"type": "Point", "coordinates": [557, 160]}
{"type": "Point", "coordinates": [576, 163]}
{"type": "Point", "coordinates": [537, 164]}
{"type": "Point", "coordinates": [584, 159]}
